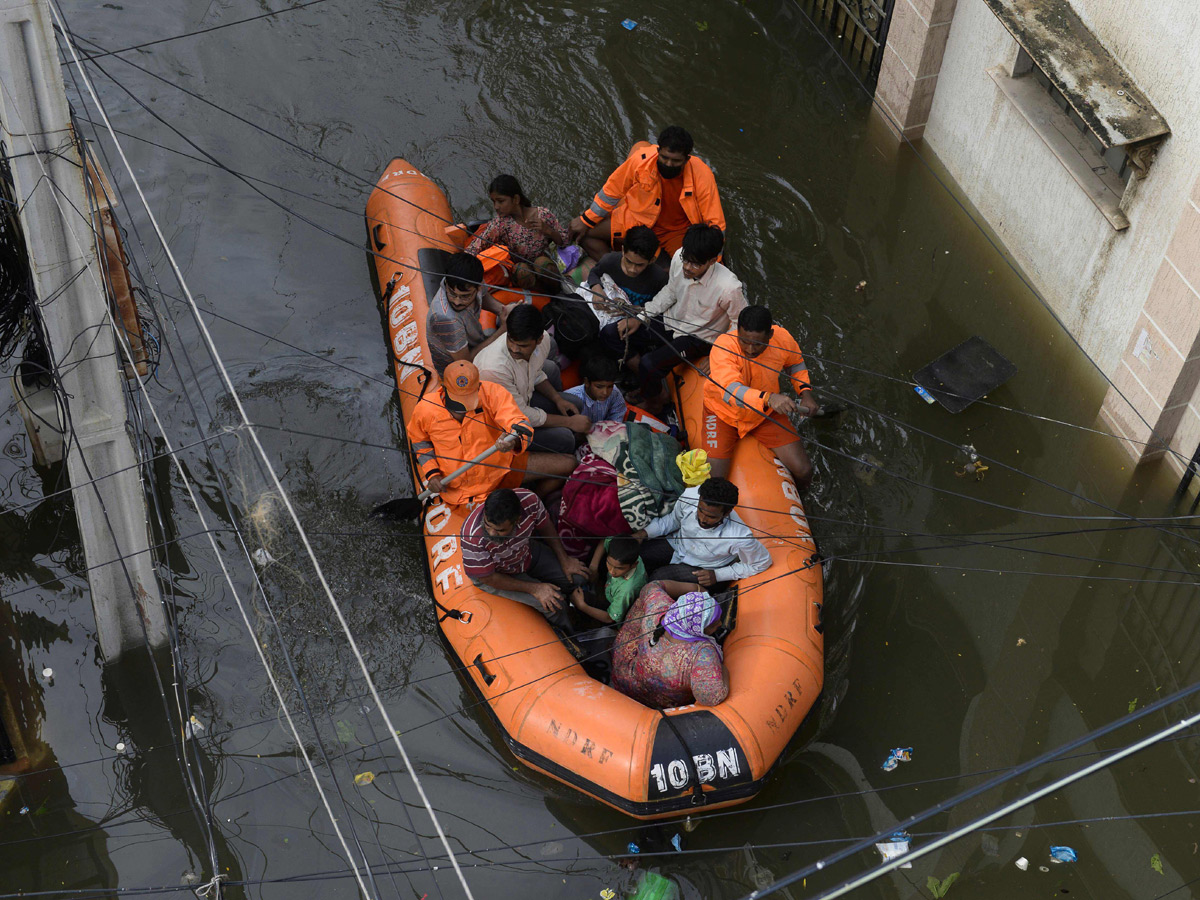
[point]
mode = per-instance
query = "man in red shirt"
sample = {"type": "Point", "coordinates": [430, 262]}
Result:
{"type": "Point", "coordinates": [500, 554]}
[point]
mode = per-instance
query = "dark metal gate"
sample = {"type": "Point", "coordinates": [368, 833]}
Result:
{"type": "Point", "coordinates": [858, 28]}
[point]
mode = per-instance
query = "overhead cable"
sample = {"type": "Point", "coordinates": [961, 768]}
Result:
{"type": "Point", "coordinates": [283, 496]}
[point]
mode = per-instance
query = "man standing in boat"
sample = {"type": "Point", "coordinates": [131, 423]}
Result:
{"type": "Point", "coordinates": [660, 185]}
{"type": "Point", "coordinates": [742, 396]}
{"type": "Point", "coordinates": [464, 418]}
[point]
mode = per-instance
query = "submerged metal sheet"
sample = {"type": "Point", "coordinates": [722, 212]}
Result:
{"type": "Point", "coordinates": [1093, 81]}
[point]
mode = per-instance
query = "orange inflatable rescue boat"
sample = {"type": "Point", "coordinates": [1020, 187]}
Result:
{"type": "Point", "coordinates": [553, 716]}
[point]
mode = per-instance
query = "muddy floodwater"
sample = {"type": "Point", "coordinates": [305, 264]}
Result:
{"type": "Point", "coordinates": [979, 622]}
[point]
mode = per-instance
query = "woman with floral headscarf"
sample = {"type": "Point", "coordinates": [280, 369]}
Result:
{"type": "Point", "coordinates": [664, 655]}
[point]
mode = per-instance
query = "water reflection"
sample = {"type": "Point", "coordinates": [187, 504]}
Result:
{"type": "Point", "coordinates": [168, 781]}
{"type": "Point", "coordinates": [35, 797]}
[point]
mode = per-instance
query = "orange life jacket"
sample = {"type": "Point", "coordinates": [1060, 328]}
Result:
{"type": "Point", "coordinates": [637, 414]}
{"type": "Point", "coordinates": [443, 444]}
{"type": "Point", "coordinates": [738, 388]}
{"type": "Point", "coordinates": [633, 193]}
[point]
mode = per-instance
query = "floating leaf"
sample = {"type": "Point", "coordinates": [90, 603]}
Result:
{"type": "Point", "coordinates": [1156, 863]}
{"type": "Point", "coordinates": [364, 778]}
{"type": "Point", "coordinates": [939, 888]}
{"type": "Point", "coordinates": [345, 732]}
{"type": "Point", "coordinates": [702, 26]}
{"type": "Point", "coordinates": [1133, 704]}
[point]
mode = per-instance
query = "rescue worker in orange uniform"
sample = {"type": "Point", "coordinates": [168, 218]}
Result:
{"type": "Point", "coordinates": [466, 417]}
{"type": "Point", "coordinates": [742, 396]}
{"type": "Point", "coordinates": [659, 185]}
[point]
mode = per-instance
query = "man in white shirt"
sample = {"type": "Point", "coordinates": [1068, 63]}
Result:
{"type": "Point", "coordinates": [519, 363]}
{"type": "Point", "coordinates": [702, 541]}
{"type": "Point", "coordinates": [701, 300]}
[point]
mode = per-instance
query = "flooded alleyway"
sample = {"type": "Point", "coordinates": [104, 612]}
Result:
{"type": "Point", "coordinates": [980, 622]}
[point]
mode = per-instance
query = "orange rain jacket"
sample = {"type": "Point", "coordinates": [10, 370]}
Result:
{"type": "Point", "coordinates": [637, 183]}
{"type": "Point", "coordinates": [738, 388]}
{"type": "Point", "coordinates": [442, 444]}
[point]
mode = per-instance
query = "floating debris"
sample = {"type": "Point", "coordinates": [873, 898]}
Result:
{"type": "Point", "coordinates": [120, 746]}
{"type": "Point", "coordinates": [990, 844]}
{"type": "Point", "coordinates": [860, 287]}
{"type": "Point", "coordinates": [974, 467]}
{"type": "Point", "coordinates": [938, 888]}
{"type": "Point", "coordinates": [924, 394]}
{"type": "Point", "coordinates": [1022, 864]}
{"type": "Point", "coordinates": [364, 778]}
{"type": "Point", "coordinates": [192, 728]}
{"type": "Point", "coordinates": [897, 844]}
{"type": "Point", "coordinates": [628, 24]}
{"type": "Point", "coordinates": [897, 756]}
{"type": "Point", "coordinates": [866, 467]}
{"type": "Point", "coordinates": [262, 557]}
{"type": "Point", "coordinates": [1062, 855]}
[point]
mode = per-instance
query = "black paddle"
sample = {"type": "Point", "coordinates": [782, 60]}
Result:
{"type": "Point", "coordinates": [405, 508]}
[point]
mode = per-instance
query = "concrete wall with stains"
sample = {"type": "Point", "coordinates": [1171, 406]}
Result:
{"type": "Point", "coordinates": [1094, 277]}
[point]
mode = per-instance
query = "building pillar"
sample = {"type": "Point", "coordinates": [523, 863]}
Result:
{"type": "Point", "coordinates": [912, 58]}
{"type": "Point", "coordinates": [1160, 368]}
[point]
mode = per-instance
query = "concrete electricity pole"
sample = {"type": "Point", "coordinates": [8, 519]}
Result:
{"type": "Point", "coordinates": [49, 178]}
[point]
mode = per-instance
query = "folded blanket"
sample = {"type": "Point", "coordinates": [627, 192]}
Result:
{"type": "Point", "coordinates": [606, 439]}
{"type": "Point", "coordinates": [651, 481]}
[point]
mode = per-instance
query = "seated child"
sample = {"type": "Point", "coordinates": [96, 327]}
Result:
{"type": "Point", "coordinates": [631, 276]}
{"type": "Point", "coordinates": [626, 576]}
{"type": "Point", "coordinates": [598, 397]}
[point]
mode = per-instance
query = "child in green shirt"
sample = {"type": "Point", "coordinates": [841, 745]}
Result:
{"type": "Point", "coordinates": [626, 578]}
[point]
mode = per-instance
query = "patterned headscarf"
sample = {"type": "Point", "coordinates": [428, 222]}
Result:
{"type": "Point", "coordinates": [690, 615]}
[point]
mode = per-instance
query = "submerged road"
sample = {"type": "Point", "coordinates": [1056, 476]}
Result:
{"type": "Point", "coordinates": [959, 623]}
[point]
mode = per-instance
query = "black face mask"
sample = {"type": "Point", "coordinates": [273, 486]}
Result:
{"type": "Point", "coordinates": [669, 171]}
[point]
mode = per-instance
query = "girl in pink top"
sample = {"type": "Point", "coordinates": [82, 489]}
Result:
{"type": "Point", "coordinates": [532, 234]}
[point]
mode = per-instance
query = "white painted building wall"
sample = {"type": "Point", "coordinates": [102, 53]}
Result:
{"type": "Point", "coordinates": [1094, 278]}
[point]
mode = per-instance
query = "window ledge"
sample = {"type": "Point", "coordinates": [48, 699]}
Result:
{"type": "Point", "coordinates": [1105, 189]}
{"type": "Point", "coordinates": [1093, 81]}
